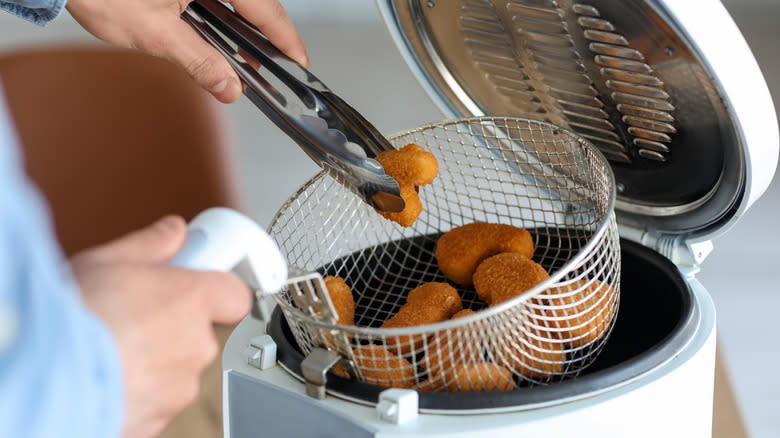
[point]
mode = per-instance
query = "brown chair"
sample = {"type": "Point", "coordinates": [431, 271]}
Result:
{"type": "Point", "coordinates": [115, 139]}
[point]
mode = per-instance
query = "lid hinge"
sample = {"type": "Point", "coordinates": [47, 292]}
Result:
{"type": "Point", "coordinates": [687, 255]}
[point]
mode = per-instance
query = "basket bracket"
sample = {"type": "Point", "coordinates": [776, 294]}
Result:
{"type": "Point", "coordinates": [315, 367]}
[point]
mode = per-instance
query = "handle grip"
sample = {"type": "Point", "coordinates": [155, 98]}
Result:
{"type": "Point", "coordinates": [221, 239]}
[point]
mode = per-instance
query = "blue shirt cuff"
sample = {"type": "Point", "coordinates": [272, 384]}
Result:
{"type": "Point", "coordinates": [39, 12]}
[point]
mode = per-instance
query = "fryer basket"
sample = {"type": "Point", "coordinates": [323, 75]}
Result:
{"type": "Point", "coordinates": [506, 170]}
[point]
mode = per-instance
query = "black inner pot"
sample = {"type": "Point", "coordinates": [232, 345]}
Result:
{"type": "Point", "coordinates": [655, 320]}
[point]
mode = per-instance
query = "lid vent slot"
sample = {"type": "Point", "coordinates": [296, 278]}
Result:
{"type": "Point", "coordinates": [574, 65]}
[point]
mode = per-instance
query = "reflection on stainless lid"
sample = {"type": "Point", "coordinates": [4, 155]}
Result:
{"type": "Point", "coordinates": [624, 75]}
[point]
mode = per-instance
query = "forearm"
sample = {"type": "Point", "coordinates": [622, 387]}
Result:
{"type": "Point", "coordinates": [59, 368]}
{"type": "Point", "coordinates": [37, 11]}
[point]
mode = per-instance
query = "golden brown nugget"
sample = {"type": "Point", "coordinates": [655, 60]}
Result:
{"type": "Point", "coordinates": [505, 276]}
{"type": "Point", "coordinates": [430, 385]}
{"type": "Point", "coordinates": [412, 167]}
{"type": "Point", "coordinates": [460, 250]}
{"type": "Point", "coordinates": [582, 310]}
{"type": "Point", "coordinates": [342, 299]}
{"type": "Point", "coordinates": [535, 359]}
{"type": "Point", "coordinates": [462, 313]}
{"type": "Point", "coordinates": [429, 292]}
{"type": "Point", "coordinates": [340, 370]}
{"type": "Point", "coordinates": [426, 304]}
{"type": "Point", "coordinates": [411, 164]}
{"type": "Point", "coordinates": [412, 208]}
{"type": "Point", "coordinates": [381, 367]}
{"type": "Point", "coordinates": [444, 350]}
{"type": "Point", "coordinates": [476, 377]}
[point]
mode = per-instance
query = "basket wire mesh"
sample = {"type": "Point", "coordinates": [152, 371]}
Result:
{"type": "Point", "coordinates": [513, 171]}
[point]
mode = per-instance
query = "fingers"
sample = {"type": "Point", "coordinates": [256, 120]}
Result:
{"type": "Point", "coordinates": [137, 261]}
{"type": "Point", "coordinates": [226, 297]}
{"type": "Point", "coordinates": [270, 17]}
{"type": "Point", "coordinates": [182, 45]}
{"type": "Point", "coordinates": [156, 243]}
{"type": "Point", "coordinates": [207, 66]}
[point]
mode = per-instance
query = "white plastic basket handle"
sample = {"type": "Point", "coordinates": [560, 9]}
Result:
{"type": "Point", "coordinates": [221, 239]}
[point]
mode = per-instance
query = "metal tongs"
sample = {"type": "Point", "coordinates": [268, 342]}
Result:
{"type": "Point", "coordinates": [330, 131]}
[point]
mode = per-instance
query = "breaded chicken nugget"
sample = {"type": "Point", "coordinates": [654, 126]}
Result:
{"type": "Point", "coordinates": [430, 292]}
{"type": "Point", "coordinates": [582, 310]}
{"type": "Point", "coordinates": [444, 349]}
{"type": "Point", "coordinates": [342, 299]}
{"type": "Point", "coordinates": [460, 250]}
{"type": "Point", "coordinates": [533, 358]}
{"type": "Point", "coordinates": [504, 276]}
{"type": "Point", "coordinates": [462, 313]}
{"type": "Point", "coordinates": [411, 164]}
{"type": "Point", "coordinates": [426, 304]}
{"type": "Point", "coordinates": [447, 348]}
{"type": "Point", "coordinates": [411, 211]}
{"type": "Point", "coordinates": [381, 367]}
{"type": "Point", "coordinates": [483, 376]}
{"type": "Point", "coordinates": [412, 167]}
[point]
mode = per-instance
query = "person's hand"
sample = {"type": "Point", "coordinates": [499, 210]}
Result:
{"type": "Point", "coordinates": [161, 318]}
{"type": "Point", "coordinates": [155, 27]}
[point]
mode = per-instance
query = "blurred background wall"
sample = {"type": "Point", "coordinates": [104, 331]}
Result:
{"type": "Point", "coordinates": [352, 52]}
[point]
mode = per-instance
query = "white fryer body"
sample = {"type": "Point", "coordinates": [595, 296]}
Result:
{"type": "Point", "coordinates": [674, 399]}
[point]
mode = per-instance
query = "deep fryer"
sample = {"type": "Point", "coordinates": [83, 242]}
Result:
{"type": "Point", "coordinates": [673, 98]}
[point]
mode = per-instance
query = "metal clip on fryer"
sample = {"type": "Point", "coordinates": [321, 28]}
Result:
{"type": "Point", "coordinates": [331, 132]}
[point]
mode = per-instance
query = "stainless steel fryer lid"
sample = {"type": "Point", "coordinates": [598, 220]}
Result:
{"type": "Point", "coordinates": [673, 99]}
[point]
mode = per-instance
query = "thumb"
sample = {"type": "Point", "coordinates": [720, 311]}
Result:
{"type": "Point", "coordinates": [154, 244]}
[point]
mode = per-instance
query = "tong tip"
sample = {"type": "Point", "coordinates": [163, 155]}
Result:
{"type": "Point", "coordinates": [388, 202]}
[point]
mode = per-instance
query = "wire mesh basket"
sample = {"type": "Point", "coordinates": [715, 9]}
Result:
{"type": "Point", "coordinates": [512, 171]}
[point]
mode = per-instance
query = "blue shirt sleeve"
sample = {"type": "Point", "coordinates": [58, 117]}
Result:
{"type": "Point", "coordinates": [60, 371]}
{"type": "Point", "coordinates": [38, 11]}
